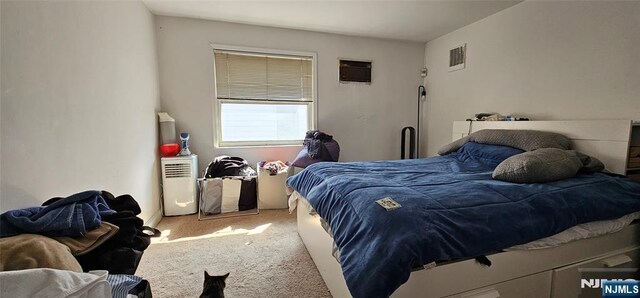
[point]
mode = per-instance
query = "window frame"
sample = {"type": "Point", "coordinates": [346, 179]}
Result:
{"type": "Point", "coordinates": [217, 103]}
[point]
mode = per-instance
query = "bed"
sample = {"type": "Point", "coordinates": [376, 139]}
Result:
{"type": "Point", "coordinates": [449, 267]}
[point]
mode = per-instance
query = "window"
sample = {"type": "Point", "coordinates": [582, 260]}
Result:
{"type": "Point", "coordinates": [262, 98]}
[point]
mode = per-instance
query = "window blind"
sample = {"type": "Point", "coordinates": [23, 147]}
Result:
{"type": "Point", "coordinates": [263, 77]}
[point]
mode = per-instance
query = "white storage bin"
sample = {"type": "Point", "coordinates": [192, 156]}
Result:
{"type": "Point", "coordinates": [272, 192]}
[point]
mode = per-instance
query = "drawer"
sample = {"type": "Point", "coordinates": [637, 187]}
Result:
{"type": "Point", "coordinates": [634, 152]}
{"type": "Point", "coordinates": [532, 286]}
{"type": "Point", "coordinates": [566, 280]}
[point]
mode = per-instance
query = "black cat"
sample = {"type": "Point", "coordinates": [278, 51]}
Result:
{"type": "Point", "coordinates": [213, 286]}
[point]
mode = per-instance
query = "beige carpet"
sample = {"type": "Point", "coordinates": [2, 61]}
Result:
{"type": "Point", "coordinates": [263, 253]}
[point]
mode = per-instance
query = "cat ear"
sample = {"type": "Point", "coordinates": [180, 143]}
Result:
{"type": "Point", "coordinates": [206, 274]}
{"type": "Point", "coordinates": [224, 277]}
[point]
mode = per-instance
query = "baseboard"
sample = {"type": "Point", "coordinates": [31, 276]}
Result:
{"type": "Point", "coordinates": [154, 219]}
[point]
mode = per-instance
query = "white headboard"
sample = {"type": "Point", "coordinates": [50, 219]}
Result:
{"type": "Point", "coordinates": [607, 140]}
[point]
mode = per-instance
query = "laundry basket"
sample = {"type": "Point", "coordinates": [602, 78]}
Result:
{"type": "Point", "coordinates": [272, 192]}
{"type": "Point", "coordinates": [227, 196]}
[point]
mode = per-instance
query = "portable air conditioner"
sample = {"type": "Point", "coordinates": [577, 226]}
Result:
{"type": "Point", "coordinates": [180, 192]}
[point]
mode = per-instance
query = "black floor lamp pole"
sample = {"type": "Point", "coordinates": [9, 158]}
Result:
{"type": "Point", "coordinates": [421, 92]}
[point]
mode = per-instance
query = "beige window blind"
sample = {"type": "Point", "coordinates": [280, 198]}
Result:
{"type": "Point", "coordinates": [263, 77]}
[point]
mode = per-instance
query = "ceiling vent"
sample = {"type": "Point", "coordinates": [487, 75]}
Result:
{"type": "Point", "coordinates": [457, 57]}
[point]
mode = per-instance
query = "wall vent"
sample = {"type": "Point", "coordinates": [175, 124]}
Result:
{"type": "Point", "coordinates": [457, 57]}
{"type": "Point", "coordinates": [355, 71]}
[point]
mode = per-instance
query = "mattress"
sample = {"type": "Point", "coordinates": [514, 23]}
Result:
{"type": "Point", "coordinates": [582, 231]}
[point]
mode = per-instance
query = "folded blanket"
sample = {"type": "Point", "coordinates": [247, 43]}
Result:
{"type": "Point", "coordinates": [29, 251]}
{"type": "Point", "coordinates": [94, 238]}
{"type": "Point", "coordinates": [71, 216]}
{"type": "Point", "coordinates": [54, 283]}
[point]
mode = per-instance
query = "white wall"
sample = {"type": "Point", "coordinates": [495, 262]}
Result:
{"type": "Point", "coordinates": [366, 120]}
{"type": "Point", "coordinates": [545, 60]}
{"type": "Point", "coordinates": [79, 96]}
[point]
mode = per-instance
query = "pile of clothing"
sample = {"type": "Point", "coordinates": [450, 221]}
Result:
{"type": "Point", "coordinates": [274, 167]}
{"type": "Point", "coordinates": [91, 231]}
{"type": "Point", "coordinates": [226, 166]}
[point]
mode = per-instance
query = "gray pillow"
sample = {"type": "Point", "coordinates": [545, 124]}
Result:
{"type": "Point", "coordinates": [527, 140]}
{"type": "Point", "coordinates": [542, 165]}
{"type": "Point", "coordinates": [590, 164]}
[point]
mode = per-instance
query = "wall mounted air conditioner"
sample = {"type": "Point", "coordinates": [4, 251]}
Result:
{"type": "Point", "coordinates": [180, 192]}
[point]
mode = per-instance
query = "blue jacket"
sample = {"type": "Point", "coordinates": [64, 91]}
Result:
{"type": "Point", "coordinates": [71, 216]}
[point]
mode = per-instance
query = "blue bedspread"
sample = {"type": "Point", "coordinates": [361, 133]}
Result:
{"type": "Point", "coordinates": [451, 209]}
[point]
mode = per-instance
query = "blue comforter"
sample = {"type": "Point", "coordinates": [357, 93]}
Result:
{"type": "Point", "coordinates": [451, 209]}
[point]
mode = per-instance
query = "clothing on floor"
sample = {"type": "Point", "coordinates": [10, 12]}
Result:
{"type": "Point", "coordinates": [118, 260]}
{"type": "Point", "coordinates": [88, 242]}
{"type": "Point", "coordinates": [121, 203]}
{"type": "Point", "coordinates": [121, 253]}
{"type": "Point", "coordinates": [29, 251]}
{"type": "Point", "coordinates": [130, 230]}
{"type": "Point", "coordinates": [71, 216]}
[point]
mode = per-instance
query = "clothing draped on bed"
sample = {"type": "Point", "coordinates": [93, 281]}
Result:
{"type": "Point", "coordinates": [451, 209]}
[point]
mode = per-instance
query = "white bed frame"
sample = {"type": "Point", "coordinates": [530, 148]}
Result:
{"type": "Point", "coordinates": [551, 272]}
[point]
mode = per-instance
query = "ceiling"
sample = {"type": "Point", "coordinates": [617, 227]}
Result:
{"type": "Point", "coordinates": [400, 19]}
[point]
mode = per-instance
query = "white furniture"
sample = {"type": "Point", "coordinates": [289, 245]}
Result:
{"type": "Point", "coordinates": [272, 192]}
{"type": "Point", "coordinates": [179, 188]}
{"type": "Point", "coordinates": [550, 272]}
